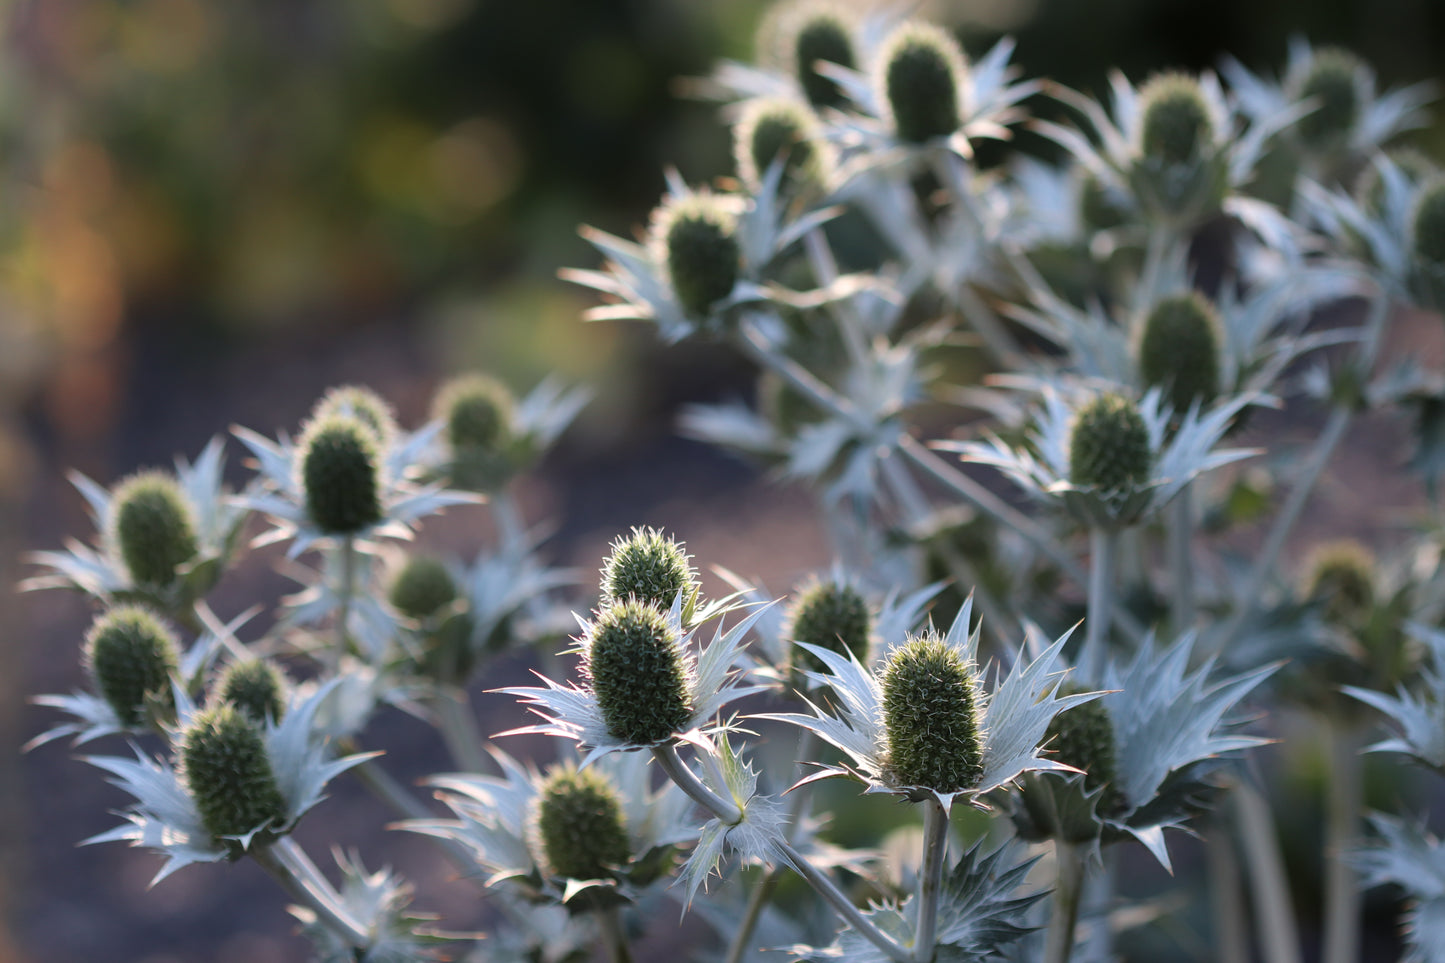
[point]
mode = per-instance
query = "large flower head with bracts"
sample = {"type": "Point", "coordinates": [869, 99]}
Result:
{"type": "Point", "coordinates": [1132, 458]}
{"type": "Point", "coordinates": [921, 722]}
{"type": "Point", "coordinates": [162, 540]}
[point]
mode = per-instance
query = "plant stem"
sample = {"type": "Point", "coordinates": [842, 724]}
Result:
{"type": "Point", "coordinates": [345, 591]}
{"type": "Point", "coordinates": [1092, 657]}
{"type": "Point", "coordinates": [609, 920]}
{"type": "Point", "coordinates": [680, 773]}
{"type": "Point", "coordinates": [464, 740]}
{"type": "Point", "coordinates": [1344, 801]}
{"type": "Point", "coordinates": [303, 882]}
{"type": "Point", "coordinates": [1274, 912]}
{"type": "Point", "coordinates": [1181, 559]}
{"type": "Point", "coordinates": [1069, 860]}
{"type": "Point", "coordinates": [930, 880]}
{"type": "Point", "coordinates": [1226, 889]}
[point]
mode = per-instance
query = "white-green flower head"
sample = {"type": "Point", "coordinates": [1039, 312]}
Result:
{"type": "Point", "coordinates": [228, 774]}
{"type": "Point", "coordinates": [131, 656]}
{"type": "Point", "coordinates": [479, 412]}
{"type": "Point", "coordinates": [1083, 737]}
{"type": "Point", "coordinates": [650, 567]}
{"type": "Point", "coordinates": [931, 716]}
{"type": "Point", "coordinates": [777, 130]}
{"type": "Point", "coordinates": [154, 529]}
{"type": "Point", "coordinates": [422, 588]}
{"type": "Point", "coordinates": [695, 237]}
{"type": "Point", "coordinates": [921, 76]}
{"type": "Point", "coordinates": [340, 464]}
{"type": "Point", "coordinates": [1180, 173]}
{"type": "Point", "coordinates": [1180, 350]}
{"type": "Point", "coordinates": [832, 614]}
{"type": "Point", "coordinates": [1332, 83]}
{"type": "Point", "coordinates": [363, 404]}
{"type": "Point", "coordinates": [257, 687]}
{"type": "Point", "coordinates": [1427, 240]}
{"type": "Point", "coordinates": [815, 33]}
{"type": "Point", "coordinates": [638, 672]}
{"type": "Point", "coordinates": [1340, 577]}
{"type": "Point", "coordinates": [1109, 447]}
{"type": "Point", "coordinates": [578, 825]}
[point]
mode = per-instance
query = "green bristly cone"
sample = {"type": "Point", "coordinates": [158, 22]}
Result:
{"type": "Point", "coordinates": [773, 129]}
{"type": "Point", "coordinates": [704, 258]}
{"type": "Point", "coordinates": [154, 529]}
{"type": "Point", "coordinates": [422, 587]}
{"type": "Point", "coordinates": [921, 83]}
{"type": "Point", "coordinates": [1429, 225]}
{"type": "Point", "coordinates": [831, 616]}
{"type": "Point", "coordinates": [1341, 578]}
{"type": "Point", "coordinates": [649, 567]}
{"type": "Point", "coordinates": [131, 656]}
{"type": "Point", "coordinates": [256, 687]}
{"type": "Point", "coordinates": [1176, 125]}
{"type": "Point", "coordinates": [363, 404]}
{"type": "Point", "coordinates": [823, 37]}
{"type": "Point", "coordinates": [930, 711]}
{"type": "Point", "coordinates": [339, 467]}
{"type": "Point", "coordinates": [1331, 81]}
{"type": "Point", "coordinates": [1083, 737]}
{"type": "Point", "coordinates": [223, 758]}
{"type": "Point", "coordinates": [580, 826]}
{"type": "Point", "coordinates": [1109, 444]}
{"type": "Point", "coordinates": [1179, 350]}
{"type": "Point", "coordinates": [636, 668]}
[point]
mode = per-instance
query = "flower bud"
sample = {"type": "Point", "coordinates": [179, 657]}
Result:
{"type": "Point", "coordinates": [931, 716]}
{"type": "Point", "coordinates": [822, 36]}
{"type": "Point", "coordinates": [1109, 444]}
{"type": "Point", "coordinates": [363, 404]}
{"type": "Point", "coordinates": [153, 528]}
{"type": "Point", "coordinates": [649, 567]}
{"type": "Point", "coordinates": [697, 236]}
{"type": "Point", "coordinates": [635, 664]}
{"type": "Point", "coordinates": [256, 687]}
{"type": "Point", "coordinates": [1428, 242]}
{"type": "Point", "coordinates": [923, 71]}
{"type": "Point", "coordinates": [228, 773]}
{"type": "Point", "coordinates": [830, 615]}
{"type": "Point", "coordinates": [478, 413]}
{"type": "Point", "coordinates": [1176, 125]}
{"type": "Point", "coordinates": [1331, 82]}
{"type": "Point", "coordinates": [422, 588]}
{"type": "Point", "coordinates": [579, 825]}
{"type": "Point", "coordinates": [131, 656]}
{"type": "Point", "coordinates": [771, 129]}
{"type": "Point", "coordinates": [1341, 577]}
{"type": "Point", "coordinates": [339, 469]}
{"type": "Point", "coordinates": [1179, 350]}
{"type": "Point", "coordinates": [1082, 736]}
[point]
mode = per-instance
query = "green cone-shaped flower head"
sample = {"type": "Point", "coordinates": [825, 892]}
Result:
{"type": "Point", "coordinates": [931, 715]}
{"type": "Point", "coordinates": [478, 412]}
{"type": "Point", "coordinates": [363, 404]}
{"type": "Point", "coordinates": [650, 567]}
{"type": "Point", "coordinates": [1341, 577]}
{"type": "Point", "coordinates": [340, 465]}
{"type": "Point", "coordinates": [131, 656]}
{"type": "Point", "coordinates": [1109, 444]}
{"type": "Point", "coordinates": [771, 128]}
{"type": "Point", "coordinates": [1429, 225]}
{"type": "Point", "coordinates": [1331, 83]}
{"type": "Point", "coordinates": [922, 79]}
{"type": "Point", "coordinates": [821, 34]}
{"type": "Point", "coordinates": [697, 237]}
{"type": "Point", "coordinates": [153, 527]}
{"type": "Point", "coordinates": [580, 830]}
{"type": "Point", "coordinates": [635, 664]}
{"type": "Point", "coordinates": [831, 615]}
{"type": "Point", "coordinates": [1083, 737]}
{"type": "Point", "coordinates": [1176, 125]}
{"type": "Point", "coordinates": [223, 759]}
{"type": "Point", "coordinates": [254, 686]}
{"type": "Point", "coordinates": [422, 587]}
{"type": "Point", "coordinates": [1179, 350]}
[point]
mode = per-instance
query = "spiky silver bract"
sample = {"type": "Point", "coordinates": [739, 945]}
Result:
{"type": "Point", "coordinates": [381, 902]}
{"type": "Point", "coordinates": [1408, 856]}
{"type": "Point", "coordinates": [1420, 715]}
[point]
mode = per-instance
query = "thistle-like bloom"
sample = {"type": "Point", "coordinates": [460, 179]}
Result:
{"type": "Point", "coordinates": [167, 815]}
{"type": "Point", "coordinates": [672, 694]}
{"type": "Point", "coordinates": [1174, 457]}
{"type": "Point", "coordinates": [651, 568]}
{"type": "Point", "coordinates": [1414, 860]}
{"type": "Point", "coordinates": [132, 657]}
{"type": "Point", "coordinates": [160, 541]}
{"type": "Point", "coordinates": [922, 723]}
{"type": "Point", "coordinates": [256, 687]}
{"type": "Point", "coordinates": [776, 131]}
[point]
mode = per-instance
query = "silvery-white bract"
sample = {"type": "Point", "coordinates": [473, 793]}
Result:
{"type": "Point", "coordinates": [380, 902]}
{"type": "Point", "coordinates": [1420, 718]}
{"type": "Point", "coordinates": [1414, 860]}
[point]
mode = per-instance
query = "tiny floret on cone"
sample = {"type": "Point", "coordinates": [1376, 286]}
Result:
{"type": "Point", "coordinates": [580, 828]}
{"type": "Point", "coordinates": [1179, 350]}
{"type": "Point", "coordinates": [339, 468]}
{"type": "Point", "coordinates": [930, 707]}
{"type": "Point", "coordinates": [697, 234]}
{"type": "Point", "coordinates": [256, 687]}
{"type": "Point", "coordinates": [923, 71]}
{"type": "Point", "coordinates": [650, 567]}
{"type": "Point", "coordinates": [422, 588]}
{"type": "Point", "coordinates": [831, 615]}
{"type": "Point", "coordinates": [821, 35]}
{"type": "Point", "coordinates": [1083, 737]}
{"type": "Point", "coordinates": [223, 758]}
{"type": "Point", "coordinates": [1176, 124]}
{"type": "Point", "coordinates": [131, 656]}
{"type": "Point", "coordinates": [1109, 444]}
{"type": "Point", "coordinates": [638, 674]}
{"type": "Point", "coordinates": [153, 528]}
{"type": "Point", "coordinates": [1331, 82]}
{"type": "Point", "coordinates": [363, 404]}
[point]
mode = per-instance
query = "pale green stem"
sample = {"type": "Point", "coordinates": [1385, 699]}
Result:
{"type": "Point", "coordinates": [508, 516]}
{"type": "Point", "coordinates": [930, 880]}
{"type": "Point", "coordinates": [381, 785]}
{"type": "Point", "coordinates": [1181, 559]}
{"type": "Point", "coordinates": [1069, 860]}
{"type": "Point", "coordinates": [1226, 889]}
{"type": "Point", "coordinates": [679, 772]}
{"type": "Point", "coordinates": [346, 590]}
{"type": "Point", "coordinates": [825, 272]}
{"type": "Point", "coordinates": [458, 725]}
{"type": "Point", "coordinates": [1345, 799]}
{"type": "Point", "coordinates": [303, 882]}
{"type": "Point", "coordinates": [1274, 912]}
{"type": "Point", "coordinates": [1093, 657]}
{"type": "Point", "coordinates": [614, 936]}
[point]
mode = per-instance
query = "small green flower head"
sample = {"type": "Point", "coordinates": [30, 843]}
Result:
{"type": "Point", "coordinates": [363, 404]}
{"type": "Point", "coordinates": [831, 615]}
{"type": "Point", "coordinates": [1083, 737]}
{"type": "Point", "coordinates": [923, 72]}
{"type": "Point", "coordinates": [649, 567]}
{"type": "Point", "coordinates": [1179, 350]}
{"type": "Point", "coordinates": [339, 468]}
{"type": "Point", "coordinates": [1331, 82]}
{"type": "Point", "coordinates": [1341, 577]}
{"type": "Point", "coordinates": [579, 826]}
{"type": "Point", "coordinates": [223, 758]}
{"type": "Point", "coordinates": [477, 410]}
{"type": "Point", "coordinates": [1429, 225]}
{"type": "Point", "coordinates": [254, 686]}
{"type": "Point", "coordinates": [697, 238]}
{"type": "Point", "coordinates": [153, 528]}
{"type": "Point", "coordinates": [1176, 125]}
{"type": "Point", "coordinates": [931, 716]}
{"type": "Point", "coordinates": [422, 588]}
{"type": "Point", "coordinates": [635, 664]}
{"type": "Point", "coordinates": [821, 34]}
{"type": "Point", "coordinates": [131, 656]}
{"type": "Point", "coordinates": [773, 127]}
{"type": "Point", "coordinates": [1109, 444]}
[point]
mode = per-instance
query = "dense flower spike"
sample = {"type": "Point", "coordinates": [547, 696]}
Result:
{"type": "Point", "coordinates": [1179, 350]}
{"type": "Point", "coordinates": [1340, 576]}
{"type": "Point", "coordinates": [922, 77]}
{"type": "Point", "coordinates": [478, 412]}
{"type": "Point", "coordinates": [821, 35]}
{"type": "Point", "coordinates": [363, 404]}
{"type": "Point", "coordinates": [339, 469]}
{"type": "Point", "coordinates": [1109, 444]}
{"type": "Point", "coordinates": [226, 769]}
{"type": "Point", "coordinates": [423, 587]}
{"type": "Point", "coordinates": [153, 528]}
{"type": "Point", "coordinates": [131, 656]}
{"type": "Point", "coordinates": [1429, 225]}
{"type": "Point", "coordinates": [1176, 123]}
{"type": "Point", "coordinates": [775, 129]}
{"type": "Point", "coordinates": [830, 615]}
{"type": "Point", "coordinates": [256, 687]}
{"type": "Point", "coordinates": [638, 673]}
{"type": "Point", "coordinates": [697, 238]}
{"type": "Point", "coordinates": [650, 567]}
{"type": "Point", "coordinates": [1083, 737]}
{"type": "Point", "coordinates": [1330, 82]}
{"type": "Point", "coordinates": [580, 828]}
{"type": "Point", "coordinates": [931, 713]}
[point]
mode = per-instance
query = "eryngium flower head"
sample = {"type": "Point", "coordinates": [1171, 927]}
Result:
{"type": "Point", "coordinates": [422, 588]}
{"type": "Point", "coordinates": [363, 404]}
{"type": "Point", "coordinates": [339, 465]}
{"type": "Point", "coordinates": [696, 235]}
{"type": "Point", "coordinates": [1176, 123]}
{"type": "Point", "coordinates": [1340, 576]}
{"type": "Point", "coordinates": [1109, 444]}
{"type": "Point", "coordinates": [223, 758]}
{"type": "Point", "coordinates": [1179, 350]}
{"type": "Point", "coordinates": [1331, 82]}
{"type": "Point", "coordinates": [831, 615]}
{"type": "Point", "coordinates": [776, 129]}
{"type": "Point", "coordinates": [579, 826]}
{"type": "Point", "coordinates": [922, 76]}
{"type": "Point", "coordinates": [650, 567]}
{"type": "Point", "coordinates": [1083, 737]}
{"type": "Point", "coordinates": [153, 528]}
{"type": "Point", "coordinates": [635, 664]}
{"type": "Point", "coordinates": [131, 656]}
{"type": "Point", "coordinates": [820, 34]}
{"type": "Point", "coordinates": [254, 686]}
{"type": "Point", "coordinates": [1428, 239]}
{"type": "Point", "coordinates": [930, 713]}
{"type": "Point", "coordinates": [478, 412]}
